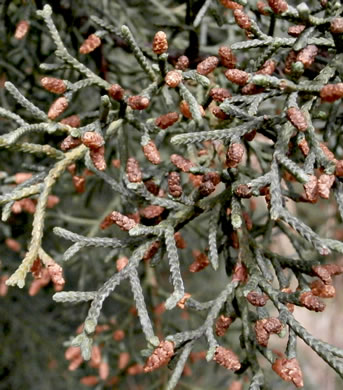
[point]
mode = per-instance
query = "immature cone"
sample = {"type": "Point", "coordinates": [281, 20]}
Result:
{"type": "Point", "coordinates": [151, 251]}
{"type": "Point", "coordinates": [20, 177]}
{"type": "Point", "coordinates": [219, 94]}
{"type": "Point", "coordinates": [90, 380]}
{"type": "Point", "coordinates": [182, 63]}
{"type": "Point", "coordinates": [331, 92]}
{"type": "Point", "coordinates": [227, 58]}
{"type": "Point", "coordinates": [327, 152]}
{"type": "Point", "coordinates": [278, 6]}
{"type": "Point", "coordinates": [234, 155]}
{"type": "Point", "coordinates": [250, 136]}
{"type": "Point", "coordinates": [121, 263]}
{"type": "Point", "coordinates": [200, 261]}
{"type": "Point", "coordinates": [242, 19]}
{"type": "Point", "coordinates": [37, 284]}
{"type": "Point", "coordinates": [336, 25]}
{"type": "Point", "coordinates": [116, 92]}
{"type": "Point", "coordinates": [120, 220]}
{"type": "Point", "coordinates": [213, 177]}
{"type": "Point", "coordinates": [325, 183]}
{"type": "Point", "coordinates": [181, 162]}
{"type": "Point", "coordinates": [339, 168]}
{"type": "Point", "coordinates": [267, 68]}
{"type": "Point", "coordinates": [218, 113]}
{"type": "Point", "coordinates": [257, 299]}
{"type": "Point", "coordinates": [13, 244]}
{"type": "Point", "coordinates": [138, 102]}
{"type": "Point", "coordinates": [307, 55]}
{"type": "Point", "coordinates": [297, 118]}
{"type": "Point", "coordinates": [98, 158]}
{"type": "Point", "coordinates": [243, 191]}
{"type": "Point", "coordinates": [133, 171]}
{"type": "Point", "coordinates": [54, 85]}
{"type": "Point", "coordinates": [206, 188]}
{"type": "Point", "coordinates": [295, 31]}
{"type": "Point", "coordinates": [92, 140]}
{"type": "Point", "coordinates": [160, 357]}
{"type": "Point", "coordinates": [56, 273]}
{"type": "Point", "coordinates": [90, 44]}
{"type": "Point", "coordinates": [123, 360]}
{"type": "Point", "coordinates": [179, 241]}
{"type": "Point", "coordinates": [237, 76]}
{"type": "Point", "coordinates": [151, 153]}
{"type": "Point", "coordinates": [70, 142]}
{"type": "Point", "coordinates": [324, 272]}
{"type": "Point", "coordinates": [151, 211]}
{"type": "Point", "coordinates": [303, 146]}
{"type": "Point", "coordinates": [322, 290]}
{"type": "Point", "coordinates": [227, 358]}
{"type": "Point", "coordinates": [222, 325]}
{"type": "Point", "coordinates": [311, 302]}
{"type": "Point", "coordinates": [261, 7]}
{"type": "Point", "coordinates": [311, 189]}
{"type": "Point", "coordinates": [240, 273]}
{"type": "Point", "coordinates": [95, 356]}
{"type": "Point", "coordinates": [166, 120]}
{"type": "Point", "coordinates": [160, 43]}
{"type": "Point", "coordinates": [208, 65]}
{"type": "Point", "coordinates": [266, 326]}
{"type": "Point", "coordinates": [72, 121]}
{"type": "Point", "coordinates": [57, 107]}
{"type": "Point", "coordinates": [174, 184]}
{"type": "Point", "coordinates": [22, 29]}
{"type": "Point", "coordinates": [231, 4]}
{"type": "Point", "coordinates": [152, 187]}
{"type": "Point", "coordinates": [27, 205]}
{"type": "Point", "coordinates": [289, 370]}
{"type": "Point", "coordinates": [182, 302]}
{"type": "Point", "coordinates": [251, 89]}
{"type": "Point", "coordinates": [209, 182]}
{"type": "Point", "coordinates": [186, 112]}
{"type": "Point", "coordinates": [173, 78]}
{"type": "Point", "coordinates": [79, 183]}
{"type": "Point", "coordinates": [290, 59]}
